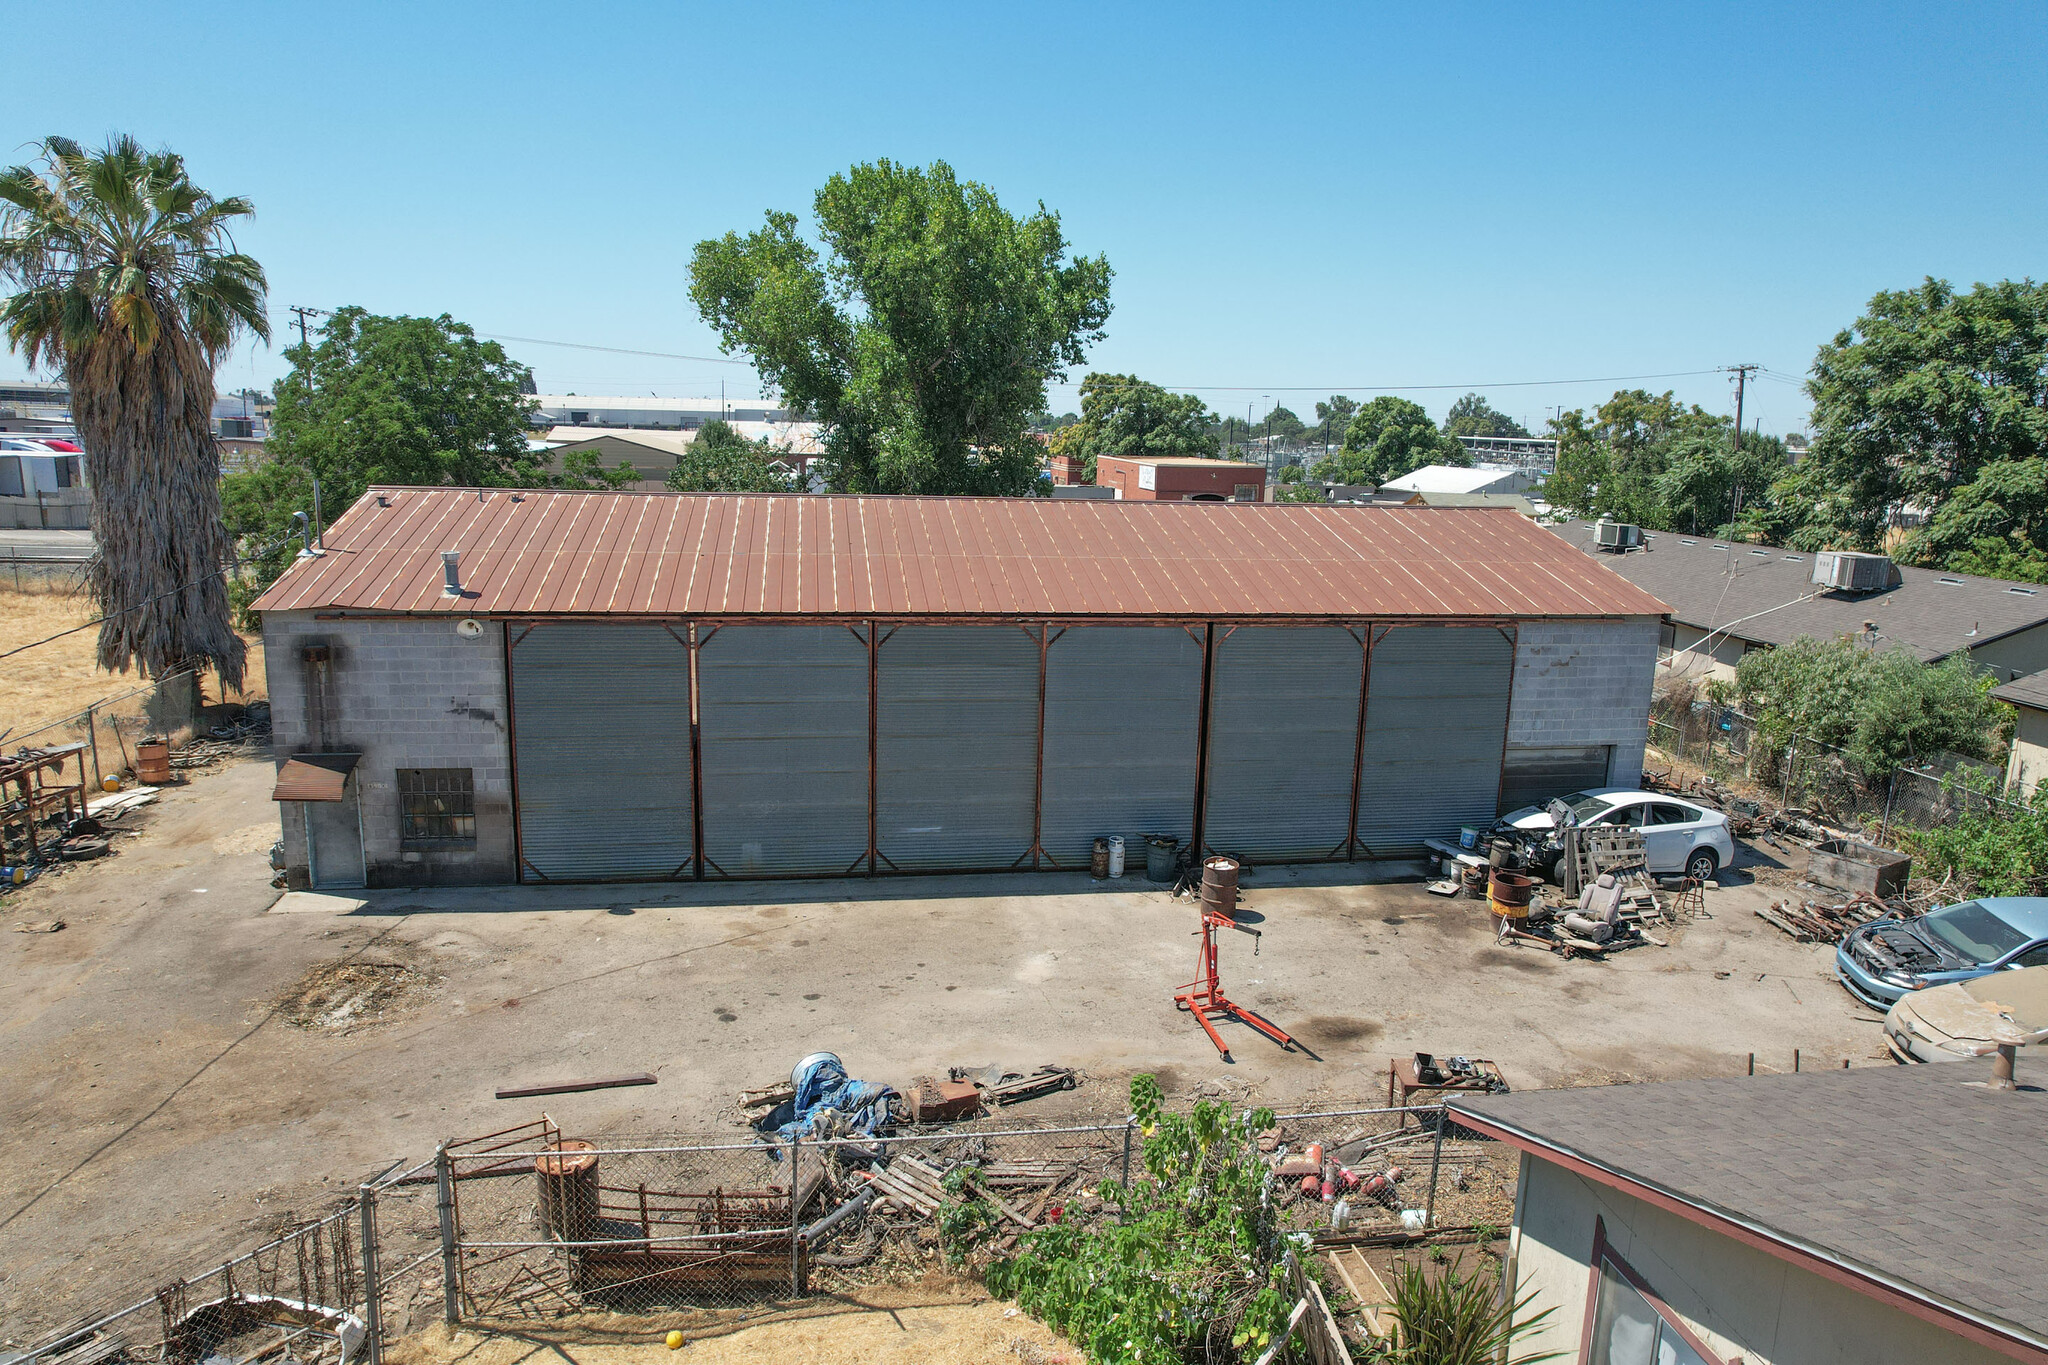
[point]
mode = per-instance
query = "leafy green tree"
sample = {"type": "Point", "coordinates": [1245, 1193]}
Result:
{"type": "Point", "coordinates": [1337, 413]}
{"type": "Point", "coordinates": [1124, 415]}
{"type": "Point", "coordinates": [1999, 516]}
{"type": "Point", "coordinates": [923, 336]}
{"type": "Point", "coordinates": [1990, 849]}
{"type": "Point", "coordinates": [1703, 480]}
{"type": "Point", "coordinates": [585, 469]}
{"type": "Point", "coordinates": [1472, 415]}
{"type": "Point", "coordinates": [720, 460]}
{"type": "Point", "coordinates": [1929, 392]}
{"type": "Point", "coordinates": [1885, 709]}
{"type": "Point", "coordinates": [1283, 424]}
{"type": "Point", "coordinates": [2001, 557]}
{"type": "Point", "coordinates": [1653, 461]}
{"type": "Point", "coordinates": [126, 277]}
{"type": "Point", "coordinates": [1389, 437]}
{"type": "Point", "coordinates": [399, 400]}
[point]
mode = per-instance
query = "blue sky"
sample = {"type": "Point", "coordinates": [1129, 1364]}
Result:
{"type": "Point", "coordinates": [1361, 196]}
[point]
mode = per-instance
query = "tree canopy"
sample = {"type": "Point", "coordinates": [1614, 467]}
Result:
{"type": "Point", "coordinates": [720, 460]}
{"type": "Point", "coordinates": [924, 333]}
{"type": "Point", "coordinates": [127, 276]}
{"type": "Point", "coordinates": [1656, 462]}
{"type": "Point", "coordinates": [1122, 414]}
{"type": "Point", "coordinates": [1886, 710]}
{"type": "Point", "coordinates": [386, 400]}
{"type": "Point", "coordinates": [1387, 438]}
{"type": "Point", "coordinates": [1472, 415]}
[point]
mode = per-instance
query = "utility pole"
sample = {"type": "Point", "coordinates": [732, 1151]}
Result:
{"type": "Point", "coordinates": [1742, 374]}
{"type": "Point", "coordinates": [299, 319]}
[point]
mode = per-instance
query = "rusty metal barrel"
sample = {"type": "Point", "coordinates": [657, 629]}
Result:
{"type": "Point", "coordinates": [568, 1189]}
{"type": "Point", "coordinates": [1509, 894]}
{"type": "Point", "coordinates": [1219, 885]}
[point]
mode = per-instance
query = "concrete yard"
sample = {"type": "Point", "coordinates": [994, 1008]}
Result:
{"type": "Point", "coordinates": [183, 1067]}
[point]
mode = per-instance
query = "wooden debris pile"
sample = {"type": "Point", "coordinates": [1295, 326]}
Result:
{"type": "Point", "coordinates": [1820, 921]}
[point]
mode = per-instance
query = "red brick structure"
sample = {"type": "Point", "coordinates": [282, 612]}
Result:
{"type": "Point", "coordinates": [1141, 480]}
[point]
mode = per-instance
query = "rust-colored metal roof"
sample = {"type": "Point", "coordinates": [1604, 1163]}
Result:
{"type": "Point", "coordinates": [730, 554]}
{"type": "Point", "coordinates": [314, 777]}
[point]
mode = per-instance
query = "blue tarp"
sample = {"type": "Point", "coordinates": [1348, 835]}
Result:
{"type": "Point", "coordinates": [823, 1084]}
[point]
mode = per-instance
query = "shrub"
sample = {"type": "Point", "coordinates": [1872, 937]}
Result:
{"type": "Point", "coordinates": [1450, 1318]}
{"type": "Point", "coordinates": [1991, 849]}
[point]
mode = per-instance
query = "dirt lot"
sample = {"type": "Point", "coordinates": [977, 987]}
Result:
{"type": "Point", "coordinates": [192, 1059]}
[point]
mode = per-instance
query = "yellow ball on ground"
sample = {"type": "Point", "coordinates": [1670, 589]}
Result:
{"type": "Point", "coordinates": [675, 1341]}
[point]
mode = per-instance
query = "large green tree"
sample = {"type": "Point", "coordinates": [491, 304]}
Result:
{"type": "Point", "coordinates": [386, 400]}
{"type": "Point", "coordinates": [1122, 414]}
{"type": "Point", "coordinates": [127, 279]}
{"type": "Point", "coordinates": [1640, 450]}
{"type": "Point", "coordinates": [1387, 438]}
{"type": "Point", "coordinates": [923, 334]}
{"type": "Point", "coordinates": [1934, 399]}
{"type": "Point", "coordinates": [720, 460]}
{"type": "Point", "coordinates": [1472, 415]}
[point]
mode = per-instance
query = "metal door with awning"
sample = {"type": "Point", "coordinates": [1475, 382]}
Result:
{"type": "Point", "coordinates": [956, 746]}
{"type": "Point", "coordinates": [325, 789]}
{"type": "Point", "coordinates": [1123, 717]}
{"type": "Point", "coordinates": [1283, 741]}
{"type": "Point", "coordinates": [601, 751]}
{"type": "Point", "coordinates": [783, 725]}
{"type": "Point", "coordinates": [1436, 721]}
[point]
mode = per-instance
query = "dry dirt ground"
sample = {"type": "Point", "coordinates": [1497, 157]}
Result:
{"type": "Point", "coordinates": [63, 677]}
{"type": "Point", "coordinates": [194, 1058]}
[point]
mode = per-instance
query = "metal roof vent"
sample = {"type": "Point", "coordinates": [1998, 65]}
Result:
{"type": "Point", "coordinates": [1852, 571]}
{"type": "Point", "coordinates": [451, 573]}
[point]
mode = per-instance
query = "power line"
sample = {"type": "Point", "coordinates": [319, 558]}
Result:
{"type": "Point", "coordinates": [1422, 388]}
{"type": "Point", "coordinates": [617, 350]}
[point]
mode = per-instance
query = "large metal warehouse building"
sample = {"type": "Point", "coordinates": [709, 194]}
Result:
{"type": "Point", "coordinates": [488, 685]}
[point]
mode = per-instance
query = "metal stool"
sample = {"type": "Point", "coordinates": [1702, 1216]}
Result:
{"type": "Point", "coordinates": [1692, 898]}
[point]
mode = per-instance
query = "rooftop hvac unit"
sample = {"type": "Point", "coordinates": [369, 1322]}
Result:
{"type": "Point", "coordinates": [1852, 571]}
{"type": "Point", "coordinates": [1617, 535]}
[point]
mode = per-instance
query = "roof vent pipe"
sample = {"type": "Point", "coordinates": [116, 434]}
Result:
{"type": "Point", "coordinates": [451, 573]}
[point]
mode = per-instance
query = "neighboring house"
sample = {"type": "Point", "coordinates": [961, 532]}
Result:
{"type": "Point", "coordinates": [499, 685]}
{"type": "Point", "coordinates": [1512, 501]}
{"type": "Point", "coordinates": [1444, 478]}
{"type": "Point", "coordinates": [1148, 480]}
{"type": "Point", "coordinates": [653, 454]}
{"type": "Point", "coordinates": [2029, 761]}
{"type": "Point", "coordinates": [674, 414]}
{"type": "Point", "coordinates": [1887, 1215]}
{"type": "Point", "coordinates": [1728, 598]}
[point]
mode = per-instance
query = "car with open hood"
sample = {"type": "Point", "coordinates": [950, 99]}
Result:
{"type": "Point", "coordinates": [1880, 961]}
{"type": "Point", "coordinates": [1678, 835]}
{"type": "Point", "coordinates": [1968, 1018]}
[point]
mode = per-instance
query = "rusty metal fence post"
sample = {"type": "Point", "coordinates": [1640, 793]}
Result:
{"type": "Point", "coordinates": [1124, 1180]}
{"type": "Point", "coordinates": [1436, 1161]}
{"type": "Point", "coordinates": [796, 1229]}
{"type": "Point", "coordinates": [373, 1308]}
{"type": "Point", "coordinates": [451, 1264]}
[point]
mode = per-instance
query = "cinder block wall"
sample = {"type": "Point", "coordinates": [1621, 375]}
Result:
{"type": "Point", "coordinates": [1586, 682]}
{"type": "Point", "coordinates": [405, 693]}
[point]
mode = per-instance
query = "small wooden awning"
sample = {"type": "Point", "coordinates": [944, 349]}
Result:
{"type": "Point", "coordinates": [314, 777]}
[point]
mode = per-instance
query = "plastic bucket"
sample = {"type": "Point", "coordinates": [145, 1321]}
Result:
{"type": "Point", "coordinates": [1468, 836]}
{"type": "Point", "coordinates": [1160, 857]}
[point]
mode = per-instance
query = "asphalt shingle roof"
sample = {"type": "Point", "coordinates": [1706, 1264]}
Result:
{"type": "Point", "coordinates": [2031, 690]}
{"type": "Point", "coordinates": [1931, 613]}
{"type": "Point", "coordinates": [1906, 1171]}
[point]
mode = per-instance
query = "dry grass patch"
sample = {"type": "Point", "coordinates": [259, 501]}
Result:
{"type": "Point", "coordinates": [62, 678]}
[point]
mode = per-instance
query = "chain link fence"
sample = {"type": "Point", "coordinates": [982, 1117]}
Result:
{"type": "Point", "coordinates": [1725, 745]}
{"type": "Point", "coordinates": [524, 1226]}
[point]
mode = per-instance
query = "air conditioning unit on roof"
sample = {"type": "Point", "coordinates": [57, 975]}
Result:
{"type": "Point", "coordinates": [1617, 535]}
{"type": "Point", "coordinates": [1852, 571]}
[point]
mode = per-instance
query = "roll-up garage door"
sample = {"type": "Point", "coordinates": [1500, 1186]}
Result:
{"type": "Point", "coordinates": [1534, 775]}
{"type": "Point", "coordinates": [783, 717]}
{"type": "Point", "coordinates": [601, 717]}
{"type": "Point", "coordinates": [1123, 708]}
{"type": "Point", "coordinates": [1436, 715]}
{"type": "Point", "coordinates": [956, 746]}
{"type": "Point", "coordinates": [1283, 734]}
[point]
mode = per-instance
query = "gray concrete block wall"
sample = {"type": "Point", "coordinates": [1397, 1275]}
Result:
{"type": "Point", "coordinates": [405, 693]}
{"type": "Point", "coordinates": [1585, 683]}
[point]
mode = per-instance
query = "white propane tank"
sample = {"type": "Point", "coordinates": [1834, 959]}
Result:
{"type": "Point", "coordinates": [1116, 855]}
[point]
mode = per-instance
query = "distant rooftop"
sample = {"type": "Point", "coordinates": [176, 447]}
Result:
{"type": "Point", "coordinates": [1765, 595]}
{"type": "Point", "coordinates": [1909, 1177]}
{"type": "Point", "coordinates": [1445, 478]}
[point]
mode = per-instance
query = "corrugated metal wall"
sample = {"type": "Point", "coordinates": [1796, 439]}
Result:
{"type": "Point", "coordinates": [783, 724]}
{"type": "Point", "coordinates": [603, 751]}
{"type": "Point", "coordinates": [1123, 714]}
{"type": "Point", "coordinates": [1435, 721]}
{"type": "Point", "coordinates": [1283, 734]}
{"type": "Point", "coordinates": [956, 746]}
{"type": "Point", "coordinates": [1532, 775]}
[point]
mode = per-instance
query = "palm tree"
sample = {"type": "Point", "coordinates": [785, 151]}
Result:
{"type": "Point", "coordinates": [128, 279]}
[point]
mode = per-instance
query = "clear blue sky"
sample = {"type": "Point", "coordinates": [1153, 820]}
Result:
{"type": "Point", "coordinates": [1358, 196]}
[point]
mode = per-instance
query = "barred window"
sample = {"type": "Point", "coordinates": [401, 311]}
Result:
{"type": "Point", "coordinates": [436, 807]}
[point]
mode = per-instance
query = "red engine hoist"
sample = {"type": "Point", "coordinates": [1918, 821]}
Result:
{"type": "Point", "coordinates": [1204, 997]}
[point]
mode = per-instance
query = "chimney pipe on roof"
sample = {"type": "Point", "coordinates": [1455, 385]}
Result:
{"type": "Point", "coordinates": [451, 573]}
{"type": "Point", "coordinates": [2001, 1067]}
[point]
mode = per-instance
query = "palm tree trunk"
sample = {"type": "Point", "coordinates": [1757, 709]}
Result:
{"type": "Point", "coordinates": [146, 421]}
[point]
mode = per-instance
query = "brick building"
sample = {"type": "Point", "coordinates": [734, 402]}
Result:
{"type": "Point", "coordinates": [1141, 480]}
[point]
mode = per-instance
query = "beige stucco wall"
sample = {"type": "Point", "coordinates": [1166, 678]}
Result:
{"type": "Point", "coordinates": [2029, 762]}
{"type": "Point", "coordinates": [1688, 660]}
{"type": "Point", "coordinates": [2015, 655]}
{"type": "Point", "coordinates": [1737, 1300]}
